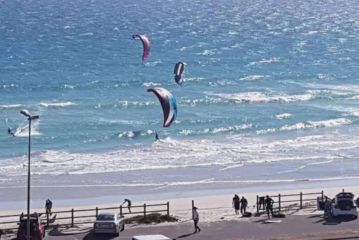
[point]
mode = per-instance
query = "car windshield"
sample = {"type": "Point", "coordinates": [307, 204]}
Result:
{"type": "Point", "coordinates": [106, 217]}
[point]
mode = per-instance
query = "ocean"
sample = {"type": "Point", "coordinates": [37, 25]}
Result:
{"type": "Point", "coordinates": [270, 94]}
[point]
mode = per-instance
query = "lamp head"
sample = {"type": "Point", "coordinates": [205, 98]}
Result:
{"type": "Point", "coordinates": [25, 112]}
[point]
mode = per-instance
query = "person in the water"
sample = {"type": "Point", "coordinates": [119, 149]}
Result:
{"type": "Point", "coordinates": [9, 131]}
{"type": "Point", "coordinates": [156, 136]}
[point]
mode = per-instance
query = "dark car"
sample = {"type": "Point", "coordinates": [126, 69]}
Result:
{"type": "Point", "coordinates": [37, 229]}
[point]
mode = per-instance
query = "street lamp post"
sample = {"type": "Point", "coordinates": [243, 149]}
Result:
{"type": "Point", "coordinates": [29, 118]}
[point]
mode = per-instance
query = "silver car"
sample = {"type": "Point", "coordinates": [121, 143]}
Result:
{"type": "Point", "coordinates": [109, 223]}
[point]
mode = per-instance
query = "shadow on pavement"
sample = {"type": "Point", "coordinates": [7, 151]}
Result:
{"type": "Point", "coordinates": [185, 235]}
{"type": "Point", "coordinates": [332, 220]}
{"type": "Point", "coordinates": [92, 236]}
{"type": "Point", "coordinates": [63, 231]}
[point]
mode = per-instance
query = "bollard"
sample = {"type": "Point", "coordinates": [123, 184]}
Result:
{"type": "Point", "coordinates": [96, 212]}
{"type": "Point", "coordinates": [144, 210]}
{"type": "Point", "coordinates": [72, 217]}
{"type": "Point", "coordinates": [257, 205]}
{"type": "Point", "coordinates": [121, 210]}
{"type": "Point", "coordinates": [301, 200]}
{"type": "Point", "coordinates": [168, 209]}
{"type": "Point", "coordinates": [279, 202]}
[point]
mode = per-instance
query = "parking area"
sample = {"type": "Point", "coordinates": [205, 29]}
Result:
{"type": "Point", "coordinates": [292, 227]}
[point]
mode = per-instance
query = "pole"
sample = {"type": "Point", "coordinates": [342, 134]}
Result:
{"type": "Point", "coordinates": [28, 185]}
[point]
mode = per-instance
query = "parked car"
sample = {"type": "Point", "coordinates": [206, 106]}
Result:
{"type": "Point", "coordinates": [343, 205]}
{"type": "Point", "coordinates": [109, 223]}
{"type": "Point", "coordinates": [37, 228]}
{"type": "Point", "coordinates": [150, 237]}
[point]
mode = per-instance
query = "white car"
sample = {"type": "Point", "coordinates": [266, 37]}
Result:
{"type": "Point", "coordinates": [343, 205]}
{"type": "Point", "coordinates": [109, 223]}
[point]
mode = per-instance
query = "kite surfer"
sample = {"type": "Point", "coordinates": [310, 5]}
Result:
{"type": "Point", "coordinates": [157, 138]}
{"type": "Point", "coordinates": [9, 131]}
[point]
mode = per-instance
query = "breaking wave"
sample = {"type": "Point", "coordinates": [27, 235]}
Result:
{"type": "Point", "coordinates": [56, 104]}
{"type": "Point", "coordinates": [259, 97]}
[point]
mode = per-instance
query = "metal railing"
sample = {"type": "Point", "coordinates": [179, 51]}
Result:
{"type": "Point", "coordinates": [82, 216]}
{"type": "Point", "coordinates": [284, 202]}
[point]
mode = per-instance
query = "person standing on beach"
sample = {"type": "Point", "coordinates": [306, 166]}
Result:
{"type": "Point", "coordinates": [269, 205]}
{"type": "Point", "coordinates": [236, 203]}
{"type": "Point", "coordinates": [128, 201]}
{"type": "Point", "coordinates": [48, 206]}
{"type": "Point", "coordinates": [244, 204]}
{"type": "Point", "coordinates": [195, 217]}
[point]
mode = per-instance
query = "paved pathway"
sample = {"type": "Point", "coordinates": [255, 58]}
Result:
{"type": "Point", "coordinates": [292, 227]}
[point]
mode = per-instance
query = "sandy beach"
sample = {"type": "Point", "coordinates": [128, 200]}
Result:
{"type": "Point", "coordinates": [216, 212]}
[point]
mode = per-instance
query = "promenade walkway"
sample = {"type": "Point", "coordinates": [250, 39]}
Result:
{"type": "Point", "coordinates": [299, 227]}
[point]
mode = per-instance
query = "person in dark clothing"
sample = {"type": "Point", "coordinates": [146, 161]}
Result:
{"type": "Point", "coordinates": [48, 206]}
{"type": "Point", "coordinates": [9, 131]}
{"type": "Point", "coordinates": [261, 203]}
{"type": "Point", "coordinates": [195, 217]}
{"type": "Point", "coordinates": [128, 201]}
{"type": "Point", "coordinates": [244, 204]}
{"type": "Point", "coordinates": [269, 206]}
{"type": "Point", "coordinates": [156, 136]}
{"type": "Point", "coordinates": [236, 203]}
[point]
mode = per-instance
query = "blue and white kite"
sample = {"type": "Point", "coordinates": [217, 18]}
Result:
{"type": "Point", "coordinates": [168, 103]}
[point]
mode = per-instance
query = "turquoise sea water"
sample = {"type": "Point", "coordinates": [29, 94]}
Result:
{"type": "Point", "coordinates": [270, 91]}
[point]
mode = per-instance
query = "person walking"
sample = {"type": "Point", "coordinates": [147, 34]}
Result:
{"type": "Point", "coordinates": [244, 204]}
{"type": "Point", "coordinates": [195, 217]}
{"type": "Point", "coordinates": [128, 201]}
{"type": "Point", "coordinates": [236, 203]}
{"type": "Point", "coordinates": [269, 205]}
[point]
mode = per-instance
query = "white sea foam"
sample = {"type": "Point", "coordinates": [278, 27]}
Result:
{"type": "Point", "coordinates": [283, 116]}
{"type": "Point", "coordinates": [234, 128]}
{"type": "Point", "coordinates": [6, 106]}
{"type": "Point", "coordinates": [266, 61]}
{"type": "Point", "coordinates": [129, 104]}
{"type": "Point", "coordinates": [56, 104]}
{"type": "Point", "coordinates": [205, 100]}
{"type": "Point", "coordinates": [150, 84]}
{"type": "Point", "coordinates": [253, 77]}
{"type": "Point", "coordinates": [194, 79]}
{"type": "Point", "coordinates": [259, 97]}
{"type": "Point", "coordinates": [153, 63]}
{"type": "Point", "coordinates": [231, 152]}
{"type": "Point", "coordinates": [87, 34]}
{"type": "Point", "coordinates": [127, 134]}
{"type": "Point", "coordinates": [207, 52]}
{"type": "Point", "coordinates": [317, 124]}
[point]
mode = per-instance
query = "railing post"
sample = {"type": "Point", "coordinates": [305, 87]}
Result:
{"type": "Point", "coordinates": [301, 200]}
{"type": "Point", "coordinates": [121, 210]}
{"type": "Point", "coordinates": [322, 195]}
{"type": "Point", "coordinates": [144, 210]}
{"type": "Point", "coordinates": [168, 209]}
{"type": "Point", "coordinates": [72, 217]}
{"type": "Point", "coordinates": [257, 205]}
{"type": "Point", "coordinates": [96, 212]}
{"type": "Point", "coordinates": [279, 202]}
